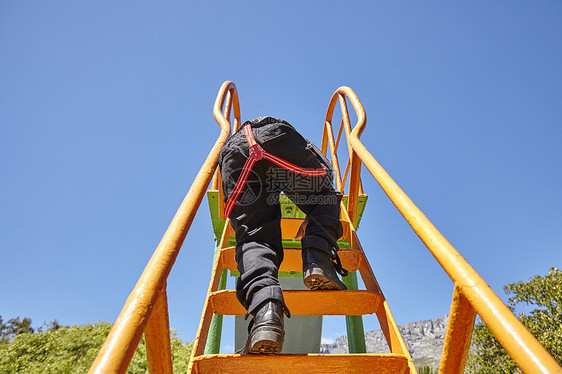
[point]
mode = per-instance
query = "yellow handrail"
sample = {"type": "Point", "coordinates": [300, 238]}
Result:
{"type": "Point", "coordinates": [520, 344]}
{"type": "Point", "coordinates": [471, 291]}
{"type": "Point", "coordinates": [119, 347]}
{"type": "Point", "coordinates": [353, 163]}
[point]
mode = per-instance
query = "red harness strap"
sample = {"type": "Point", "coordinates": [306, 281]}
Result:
{"type": "Point", "coordinates": [256, 154]}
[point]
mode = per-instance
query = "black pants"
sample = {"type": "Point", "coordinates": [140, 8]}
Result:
{"type": "Point", "coordinates": [256, 216]}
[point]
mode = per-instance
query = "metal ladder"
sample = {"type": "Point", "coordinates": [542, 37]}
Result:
{"type": "Point", "coordinates": [146, 312]}
{"type": "Point", "coordinates": [352, 303]}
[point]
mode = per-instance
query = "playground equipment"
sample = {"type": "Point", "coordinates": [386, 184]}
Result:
{"type": "Point", "coordinates": [146, 311]}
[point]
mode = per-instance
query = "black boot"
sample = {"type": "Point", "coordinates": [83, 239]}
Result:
{"type": "Point", "coordinates": [320, 270]}
{"type": "Point", "coordinates": [266, 332]}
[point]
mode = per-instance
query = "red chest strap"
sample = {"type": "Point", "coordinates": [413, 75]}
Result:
{"type": "Point", "coordinates": [256, 154]}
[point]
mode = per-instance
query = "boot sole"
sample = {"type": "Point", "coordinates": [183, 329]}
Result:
{"type": "Point", "coordinates": [316, 280]}
{"type": "Point", "coordinates": [266, 342]}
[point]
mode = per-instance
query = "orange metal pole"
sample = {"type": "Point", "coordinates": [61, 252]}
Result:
{"type": "Point", "coordinates": [119, 347]}
{"type": "Point", "coordinates": [334, 155]}
{"type": "Point", "coordinates": [459, 334]}
{"type": "Point", "coordinates": [521, 345]}
{"type": "Point", "coordinates": [157, 336]}
{"type": "Point", "coordinates": [339, 134]}
{"type": "Point", "coordinates": [345, 174]}
{"type": "Point", "coordinates": [225, 118]}
{"type": "Point", "coordinates": [354, 162]}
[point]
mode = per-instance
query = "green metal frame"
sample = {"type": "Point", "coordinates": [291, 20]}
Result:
{"type": "Point", "coordinates": [215, 329]}
{"type": "Point", "coordinates": [354, 324]}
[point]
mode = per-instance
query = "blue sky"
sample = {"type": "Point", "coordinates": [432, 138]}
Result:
{"type": "Point", "coordinates": [98, 145]}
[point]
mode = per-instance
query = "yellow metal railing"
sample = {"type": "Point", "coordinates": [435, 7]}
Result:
{"type": "Point", "coordinates": [353, 163]}
{"type": "Point", "coordinates": [471, 295]}
{"type": "Point", "coordinates": [146, 307]}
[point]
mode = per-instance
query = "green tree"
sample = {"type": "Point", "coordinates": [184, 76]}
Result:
{"type": "Point", "coordinates": [14, 327]}
{"type": "Point", "coordinates": [53, 325]}
{"type": "Point", "coordinates": [544, 321]}
{"type": "Point", "coordinates": [62, 349]}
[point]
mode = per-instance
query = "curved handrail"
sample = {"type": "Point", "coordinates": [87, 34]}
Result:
{"type": "Point", "coordinates": [119, 346]}
{"type": "Point", "coordinates": [227, 91]}
{"type": "Point", "coordinates": [519, 343]}
{"type": "Point", "coordinates": [222, 115]}
{"type": "Point", "coordinates": [354, 163]}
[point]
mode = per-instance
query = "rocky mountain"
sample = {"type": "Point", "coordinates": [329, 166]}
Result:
{"type": "Point", "coordinates": [424, 340]}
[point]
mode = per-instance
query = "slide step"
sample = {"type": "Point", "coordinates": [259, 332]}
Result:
{"type": "Point", "coordinates": [292, 260]}
{"type": "Point", "coordinates": [305, 303]}
{"type": "Point", "coordinates": [309, 364]}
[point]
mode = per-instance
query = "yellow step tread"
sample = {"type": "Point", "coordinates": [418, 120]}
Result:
{"type": "Point", "coordinates": [309, 364]}
{"type": "Point", "coordinates": [304, 303]}
{"type": "Point", "coordinates": [292, 260]}
{"type": "Point", "coordinates": [290, 228]}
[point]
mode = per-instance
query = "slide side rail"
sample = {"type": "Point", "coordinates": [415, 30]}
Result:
{"type": "Point", "coordinates": [472, 295]}
{"type": "Point", "coordinates": [146, 310]}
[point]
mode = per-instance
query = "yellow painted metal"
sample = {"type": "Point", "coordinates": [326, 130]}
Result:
{"type": "Point", "coordinates": [227, 89]}
{"type": "Point", "coordinates": [353, 163]}
{"type": "Point", "coordinates": [305, 303]}
{"type": "Point", "coordinates": [333, 153]}
{"type": "Point", "coordinates": [459, 334]}
{"type": "Point", "coordinates": [521, 345]}
{"type": "Point", "coordinates": [206, 317]}
{"type": "Point", "coordinates": [387, 323]}
{"type": "Point", "coordinates": [308, 363]}
{"type": "Point", "coordinates": [120, 345]}
{"type": "Point", "coordinates": [292, 260]}
{"type": "Point", "coordinates": [157, 336]}
{"type": "Point", "coordinates": [146, 307]}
